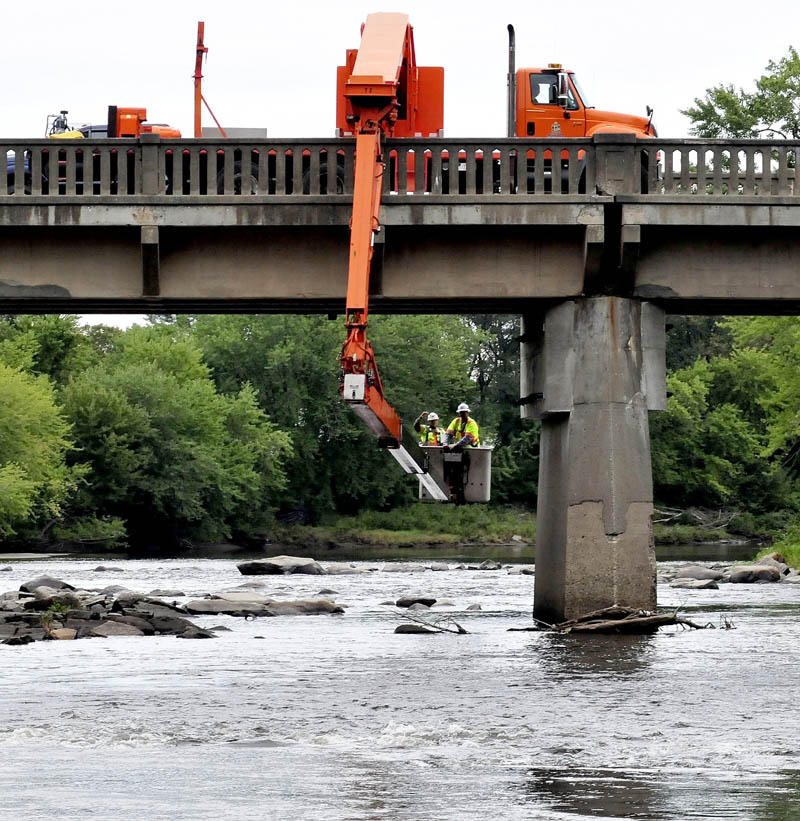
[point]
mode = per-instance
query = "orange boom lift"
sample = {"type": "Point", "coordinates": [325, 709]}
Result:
{"type": "Point", "coordinates": [381, 91]}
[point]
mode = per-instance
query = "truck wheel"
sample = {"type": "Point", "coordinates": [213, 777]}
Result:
{"type": "Point", "coordinates": [323, 179]}
{"type": "Point", "coordinates": [242, 183]}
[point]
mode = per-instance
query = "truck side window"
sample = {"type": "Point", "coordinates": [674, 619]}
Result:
{"type": "Point", "coordinates": [544, 91]}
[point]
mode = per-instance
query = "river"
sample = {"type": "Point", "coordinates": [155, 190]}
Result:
{"type": "Point", "coordinates": [336, 717]}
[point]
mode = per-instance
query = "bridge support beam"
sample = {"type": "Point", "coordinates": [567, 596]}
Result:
{"type": "Point", "coordinates": [592, 368]}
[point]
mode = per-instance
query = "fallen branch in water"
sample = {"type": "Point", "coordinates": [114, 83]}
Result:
{"type": "Point", "coordinates": [618, 620]}
{"type": "Point", "coordinates": [441, 624]}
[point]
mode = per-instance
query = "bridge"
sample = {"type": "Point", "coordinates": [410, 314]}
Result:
{"type": "Point", "coordinates": [593, 254]}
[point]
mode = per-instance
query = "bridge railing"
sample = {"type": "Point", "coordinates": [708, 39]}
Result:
{"type": "Point", "coordinates": [438, 167]}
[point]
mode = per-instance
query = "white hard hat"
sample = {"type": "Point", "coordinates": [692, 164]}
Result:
{"type": "Point", "coordinates": [463, 407]}
{"type": "Point", "coordinates": [433, 417]}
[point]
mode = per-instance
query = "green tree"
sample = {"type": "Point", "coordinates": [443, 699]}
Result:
{"type": "Point", "coordinates": [170, 455]}
{"type": "Point", "coordinates": [35, 482]}
{"type": "Point", "coordinates": [772, 110]}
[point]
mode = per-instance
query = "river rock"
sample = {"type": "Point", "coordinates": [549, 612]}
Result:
{"type": "Point", "coordinates": [241, 596]}
{"type": "Point", "coordinates": [45, 581]}
{"type": "Point", "coordinates": [281, 565]}
{"type": "Point", "coordinates": [412, 628]}
{"type": "Point", "coordinates": [109, 629]}
{"type": "Point", "coordinates": [439, 567]}
{"type": "Point", "coordinates": [327, 592]}
{"type": "Point", "coordinates": [6, 569]}
{"type": "Point", "coordinates": [63, 634]}
{"type": "Point", "coordinates": [168, 593]}
{"type": "Point", "coordinates": [134, 621]}
{"type": "Point", "coordinates": [769, 561]}
{"type": "Point", "coordinates": [747, 574]}
{"type": "Point", "coordinates": [698, 571]}
{"type": "Point", "coordinates": [401, 567]}
{"type": "Point", "coordinates": [489, 564]}
{"type": "Point", "coordinates": [695, 584]}
{"type": "Point", "coordinates": [65, 599]}
{"type": "Point", "coordinates": [303, 607]}
{"type": "Point", "coordinates": [101, 568]}
{"type": "Point", "coordinates": [418, 606]}
{"type": "Point", "coordinates": [474, 607]}
{"type": "Point", "coordinates": [229, 608]}
{"type": "Point", "coordinates": [195, 632]}
{"type": "Point", "coordinates": [407, 601]}
{"type": "Point", "coordinates": [15, 641]}
{"type": "Point", "coordinates": [344, 570]}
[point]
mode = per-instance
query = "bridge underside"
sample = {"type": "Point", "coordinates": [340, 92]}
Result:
{"type": "Point", "coordinates": [702, 258]}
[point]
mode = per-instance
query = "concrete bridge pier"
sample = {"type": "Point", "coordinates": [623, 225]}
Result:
{"type": "Point", "coordinates": [592, 368]}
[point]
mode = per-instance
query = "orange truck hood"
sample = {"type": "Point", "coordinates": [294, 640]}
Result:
{"type": "Point", "coordinates": [612, 122]}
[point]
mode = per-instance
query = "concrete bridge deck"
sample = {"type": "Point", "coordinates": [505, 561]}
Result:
{"type": "Point", "coordinates": [473, 224]}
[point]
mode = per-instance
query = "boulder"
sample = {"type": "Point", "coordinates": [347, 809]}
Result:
{"type": "Point", "coordinates": [303, 607]}
{"type": "Point", "coordinates": [407, 601]}
{"type": "Point", "coordinates": [474, 607]}
{"type": "Point", "coordinates": [401, 567]}
{"type": "Point", "coordinates": [205, 607]}
{"type": "Point", "coordinates": [748, 574]}
{"type": "Point", "coordinates": [695, 584]}
{"type": "Point", "coordinates": [344, 570]}
{"type": "Point", "coordinates": [65, 599]}
{"type": "Point", "coordinates": [281, 565]}
{"type": "Point", "coordinates": [439, 567]}
{"type": "Point", "coordinates": [45, 581]}
{"type": "Point", "coordinates": [768, 561]}
{"type": "Point", "coordinates": [698, 571]}
{"type": "Point", "coordinates": [129, 600]}
{"type": "Point", "coordinates": [327, 592]}
{"type": "Point", "coordinates": [109, 629]}
{"type": "Point", "coordinates": [101, 568]}
{"type": "Point", "coordinates": [790, 580]}
{"type": "Point", "coordinates": [413, 628]}
{"type": "Point", "coordinates": [6, 569]}
{"type": "Point", "coordinates": [195, 632]}
{"type": "Point", "coordinates": [241, 596]}
{"type": "Point", "coordinates": [489, 564]}
{"type": "Point", "coordinates": [418, 606]}
{"type": "Point", "coordinates": [63, 634]}
{"type": "Point", "coordinates": [134, 621]}
{"type": "Point", "coordinates": [168, 593]}
{"type": "Point", "coordinates": [15, 641]}
{"type": "Point", "coordinates": [775, 556]}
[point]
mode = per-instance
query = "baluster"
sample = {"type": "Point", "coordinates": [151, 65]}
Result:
{"type": "Point", "coordinates": [435, 181]}
{"type": "Point", "coordinates": [471, 165]}
{"type": "Point", "coordinates": [733, 177]}
{"type": "Point", "coordinates": [573, 171]}
{"type": "Point", "coordinates": [749, 185]}
{"type": "Point", "coordinates": [402, 170]}
{"type": "Point", "coordinates": [71, 159]}
{"type": "Point", "coordinates": [36, 171]}
{"type": "Point", "coordinates": [686, 180]}
{"type": "Point", "coordinates": [717, 182]}
{"type": "Point", "coordinates": [701, 171]}
{"type": "Point", "coordinates": [669, 181]}
{"type": "Point", "coordinates": [783, 172]}
{"type": "Point", "coordinates": [419, 171]}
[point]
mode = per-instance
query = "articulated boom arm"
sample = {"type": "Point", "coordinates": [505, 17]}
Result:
{"type": "Point", "coordinates": [375, 91]}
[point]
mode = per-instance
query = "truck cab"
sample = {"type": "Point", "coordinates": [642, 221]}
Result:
{"type": "Point", "coordinates": [550, 103]}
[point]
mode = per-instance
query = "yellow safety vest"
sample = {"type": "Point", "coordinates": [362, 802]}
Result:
{"type": "Point", "coordinates": [458, 430]}
{"type": "Point", "coordinates": [429, 435]}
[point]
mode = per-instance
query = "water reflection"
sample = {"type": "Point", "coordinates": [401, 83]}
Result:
{"type": "Point", "coordinates": [602, 793]}
{"type": "Point", "coordinates": [576, 655]}
{"type": "Point", "coordinates": [782, 801]}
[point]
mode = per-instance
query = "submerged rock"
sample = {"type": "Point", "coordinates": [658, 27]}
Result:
{"type": "Point", "coordinates": [489, 564]}
{"type": "Point", "coordinates": [413, 628]}
{"type": "Point", "coordinates": [408, 601]}
{"type": "Point", "coordinates": [695, 584]}
{"type": "Point", "coordinates": [281, 565]}
{"type": "Point", "coordinates": [698, 571]}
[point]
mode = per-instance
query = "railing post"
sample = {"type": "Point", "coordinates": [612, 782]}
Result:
{"type": "Point", "coordinates": [616, 163]}
{"type": "Point", "coordinates": [152, 179]}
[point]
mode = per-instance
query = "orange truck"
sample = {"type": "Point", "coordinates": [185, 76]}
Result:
{"type": "Point", "coordinates": [549, 102]}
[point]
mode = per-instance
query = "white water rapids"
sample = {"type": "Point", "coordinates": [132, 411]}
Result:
{"type": "Point", "coordinates": [336, 717]}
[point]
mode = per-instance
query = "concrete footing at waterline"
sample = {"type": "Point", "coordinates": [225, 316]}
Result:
{"type": "Point", "coordinates": [592, 369]}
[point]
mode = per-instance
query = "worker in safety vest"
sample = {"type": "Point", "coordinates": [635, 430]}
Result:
{"type": "Point", "coordinates": [463, 430]}
{"type": "Point", "coordinates": [431, 434]}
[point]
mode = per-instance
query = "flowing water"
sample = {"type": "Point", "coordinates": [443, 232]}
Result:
{"type": "Point", "coordinates": [336, 717]}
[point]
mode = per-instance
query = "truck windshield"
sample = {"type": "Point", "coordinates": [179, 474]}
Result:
{"type": "Point", "coordinates": [544, 91]}
{"type": "Point", "coordinates": [581, 92]}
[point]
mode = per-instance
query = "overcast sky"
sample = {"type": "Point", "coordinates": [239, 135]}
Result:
{"type": "Point", "coordinates": [273, 64]}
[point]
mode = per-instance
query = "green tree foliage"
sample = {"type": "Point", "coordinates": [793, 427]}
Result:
{"type": "Point", "coordinates": [772, 110]}
{"type": "Point", "coordinates": [292, 364]}
{"type": "Point", "coordinates": [168, 454]}
{"type": "Point", "coordinates": [34, 436]}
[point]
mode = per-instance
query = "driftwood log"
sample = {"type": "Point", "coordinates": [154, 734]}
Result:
{"type": "Point", "coordinates": [617, 620]}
